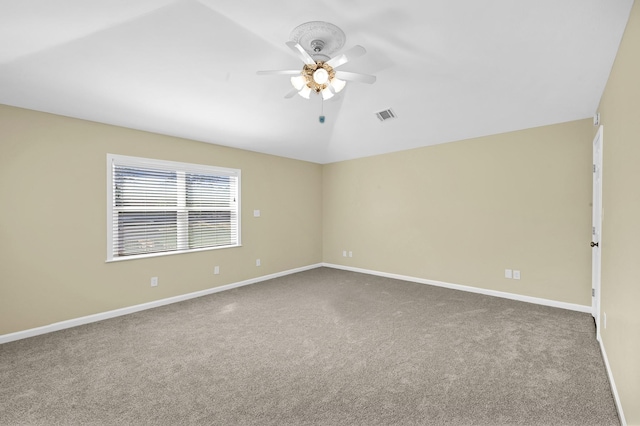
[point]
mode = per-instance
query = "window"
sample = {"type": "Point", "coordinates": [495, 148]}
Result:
{"type": "Point", "coordinates": [162, 207]}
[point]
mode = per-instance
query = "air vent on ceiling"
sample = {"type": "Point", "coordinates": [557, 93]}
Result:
{"type": "Point", "coordinates": [387, 114]}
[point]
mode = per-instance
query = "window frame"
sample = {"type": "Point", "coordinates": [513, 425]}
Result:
{"type": "Point", "coordinates": [179, 167]}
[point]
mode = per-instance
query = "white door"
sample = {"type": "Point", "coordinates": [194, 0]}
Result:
{"type": "Point", "coordinates": [596, 231]}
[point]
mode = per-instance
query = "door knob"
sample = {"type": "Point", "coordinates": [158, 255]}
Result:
{"type": "Point", "coordinates": [595, 244]}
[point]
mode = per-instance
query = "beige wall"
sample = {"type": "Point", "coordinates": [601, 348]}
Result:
{"type": "Point", "coordinates": [620, 115]}
{"type": "Point", "coordinates": [53, 220]}
{"type": "Point", "coordinates": [463, 212]}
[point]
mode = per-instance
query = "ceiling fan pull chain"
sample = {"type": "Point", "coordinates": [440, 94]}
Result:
{"type": "Point", "coordinates": [321, 118]}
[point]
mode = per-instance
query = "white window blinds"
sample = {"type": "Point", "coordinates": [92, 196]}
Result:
{"type": "Point", "coordinates": [161, 207]}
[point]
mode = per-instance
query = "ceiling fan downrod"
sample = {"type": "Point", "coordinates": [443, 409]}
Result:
{"type": "Point", "coordinates": [317, 46]}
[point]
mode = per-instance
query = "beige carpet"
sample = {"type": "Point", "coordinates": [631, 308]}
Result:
{"type": "Point", "coordinates": [322, 347]}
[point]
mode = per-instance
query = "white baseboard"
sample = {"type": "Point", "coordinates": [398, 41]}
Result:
{"type": "Point", "coordinates": [612, 382]}
{"type": "Point", "coordinates": [5, 338]}
{"type": "Point", "coordinates": [504, 295]}
{"type": "Point", "coordinates": [136, 308]}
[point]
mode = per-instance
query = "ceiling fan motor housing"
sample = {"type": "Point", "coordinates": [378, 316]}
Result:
{"type": "Point", "coordinates": [317, 46]}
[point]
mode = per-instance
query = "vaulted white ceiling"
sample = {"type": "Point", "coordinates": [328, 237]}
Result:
{"type": "Point", "coordinates": [450, 69]}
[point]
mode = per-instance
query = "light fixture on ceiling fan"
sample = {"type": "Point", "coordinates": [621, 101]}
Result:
{"type": "Point", "coordinates": [314, 42]}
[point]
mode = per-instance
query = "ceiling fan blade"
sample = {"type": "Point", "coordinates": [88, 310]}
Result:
{"type": "Point", "coordinates": [299, 50]}
{"type": "Point", "coordinates": [355, 52]}
{"type": "Point", "coordinates": [352, 76]}
{"type": "Point", "coordinates": [291, 94]}
{"type": "Point", "coordinates": [279, 72]}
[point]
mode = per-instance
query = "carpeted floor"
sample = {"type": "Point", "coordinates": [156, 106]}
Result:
{"type": "Point", "coordinates": [322, 347]}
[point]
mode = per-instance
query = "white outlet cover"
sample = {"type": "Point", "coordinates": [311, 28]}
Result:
{"type": "Point", "coordinates": [508, 273]}
{"type": "Point", "coordinates": [256, 213]}
{"type": "Point", "coordinates": [216, 270]}
{"type": "Point", "coordinates": [516, 275]}
{"type": "Point", "coordinates": [344, 253]}
{"type": "Point", "coordinates": [257, 262]}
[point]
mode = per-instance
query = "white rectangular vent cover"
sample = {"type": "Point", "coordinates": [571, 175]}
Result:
{"type": "Point", "coordinates": [387, 114]}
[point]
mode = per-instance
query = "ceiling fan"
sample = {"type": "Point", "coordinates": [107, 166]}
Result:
{"type": "Point", "coordinates": [319, 73]}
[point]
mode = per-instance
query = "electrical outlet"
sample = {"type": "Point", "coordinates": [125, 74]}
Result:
{"type": "Point", "coordinates": [344, 253]}
{"type": "Point", "coordinates": [256, 213]}
{"type": "Point", "coordinates": [216, 270]}
{"type": "Point", "coordinates": [257, 262]}
{"type": "Point", "coordinates": [508, 273]}
{"type": "Point", "coordinates": [154, 281]}
{"type": "Point", "coordinates": [350, 254]}
{"type": "Point", "coordinates": [516, 275]}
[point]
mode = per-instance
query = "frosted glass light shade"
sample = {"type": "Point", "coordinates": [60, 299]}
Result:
{"type": "Point", "coordinates": [338, 84]}
{"type": "Point", "coordinates": [298, 82]}
{"type": "Point", "coordinates": [305, 92]}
